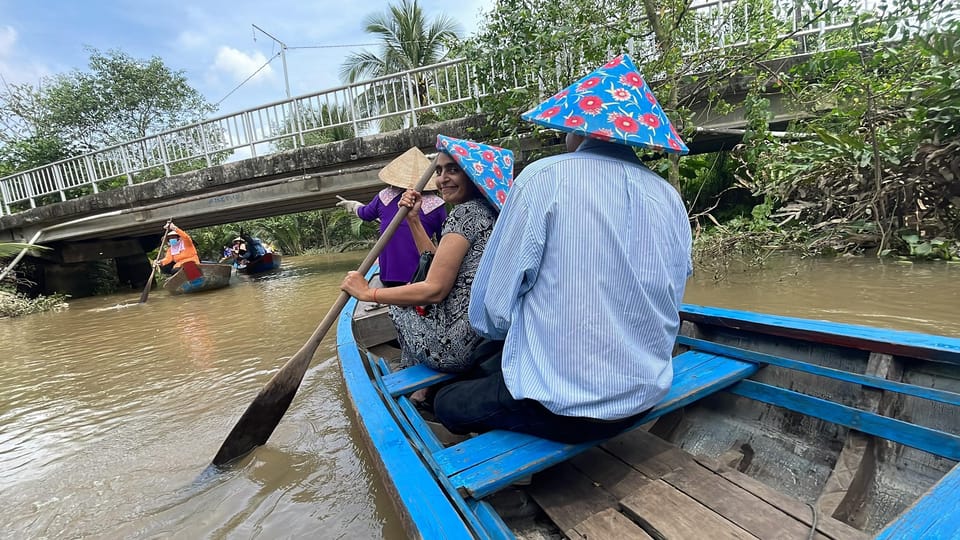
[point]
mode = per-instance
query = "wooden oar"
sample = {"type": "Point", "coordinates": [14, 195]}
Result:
{"type": "Point", "coordinates": [153, 269]}
{"type": "Point", "coordinates": [262, 416]}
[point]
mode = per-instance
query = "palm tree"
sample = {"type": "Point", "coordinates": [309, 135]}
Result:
{"type": "Point", "coordinates": [408, 41]}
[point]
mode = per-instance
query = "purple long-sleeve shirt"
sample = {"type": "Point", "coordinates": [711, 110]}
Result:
{"type": "Point", "coordinates": [398, 260]}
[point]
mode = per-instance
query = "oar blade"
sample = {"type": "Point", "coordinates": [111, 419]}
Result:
{"type": "Point", "coordinates": [146, 288]}
{"type": "Point", "coordinates": [262, 416]}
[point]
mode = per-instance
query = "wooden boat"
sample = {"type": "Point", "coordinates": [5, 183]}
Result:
{"type": "Point", "coordinates": [194, 277]}
{"type": "Point", "coordinates": [775, 427]}
{"type": "Point", "coordinates": [270, 261]}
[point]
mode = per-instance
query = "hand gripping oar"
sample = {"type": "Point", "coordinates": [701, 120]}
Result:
{"type": "Point", "coordinates": [262, 416]}
{"type": "Point", "coordinates": [153, 269]}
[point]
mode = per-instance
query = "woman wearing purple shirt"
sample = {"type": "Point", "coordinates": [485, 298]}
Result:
{"type": "Point", "coordinates": [399, 258]}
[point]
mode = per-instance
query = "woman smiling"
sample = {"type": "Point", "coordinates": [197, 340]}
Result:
{"type": "Point", "coordinates": [431, 315]}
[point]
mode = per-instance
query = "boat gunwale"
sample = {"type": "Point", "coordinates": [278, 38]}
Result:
{"type": "Point", "coordinates": [412, 484]}
{"type": "Point", "coordinates": [931, 347]}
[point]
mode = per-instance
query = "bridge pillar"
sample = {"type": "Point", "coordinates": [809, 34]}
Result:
{"type": "Point", "coordinates": [74, 279]}
{"type": "Point", "coordinates": [132, 271]}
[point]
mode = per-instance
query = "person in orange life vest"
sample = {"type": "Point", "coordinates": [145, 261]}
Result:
{"type": "Point", "coordinates": [180, 249]}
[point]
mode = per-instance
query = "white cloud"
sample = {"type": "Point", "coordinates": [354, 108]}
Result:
{"type": "Point", "coordinates": [240, 65]}
{"type": "Point", "coordinates": [13, 71]}
{"type": "Point", "coordinates": [8, 36]}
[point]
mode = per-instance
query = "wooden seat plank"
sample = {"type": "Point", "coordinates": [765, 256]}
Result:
{"type": "Point", "coordinates": [413, 378]}
{"type": "Point", "coordinates": [667, 513]}
{"type": "Point", "coordinates": [609, 472]}
{"type": "Point", "coordinates": [693, 371]}
{"type": "Point", "coordinates": [538, 454]}
{"type": "Point", "coordinates": [647, 453]}
{"type": "Point", "coordinates": [737, 505]}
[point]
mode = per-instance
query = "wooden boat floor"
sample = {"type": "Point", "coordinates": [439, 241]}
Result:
{"type": "Point", "coordinates": [640, 486]}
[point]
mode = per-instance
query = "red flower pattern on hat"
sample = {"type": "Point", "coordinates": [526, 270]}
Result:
{"type": "Point", "coordinates": [590, 104]}
{"type": "Point", "coordinates": [588, 84]}
{"type": "Point", "coordinates": [574, 121]}
{"type": "Point", "coordinates": [489, 167]}
{"type": "Point", "coordinates": [631, 113]}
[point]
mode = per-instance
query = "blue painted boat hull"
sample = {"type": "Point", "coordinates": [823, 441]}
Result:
{"type": "Point", "coordinates": [270, 261]}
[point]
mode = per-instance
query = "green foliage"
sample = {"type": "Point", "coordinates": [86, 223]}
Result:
{"type": "Point", "coordinates": [15, 305]}
{"type": "Point", "coordinates": [10, 249]}
{"type": "Point", "coordinates": [882, 143]}
{"type": "Point", "coordinates": [119, 99]}
{"type": "Point", "coordinates": [934, 248]}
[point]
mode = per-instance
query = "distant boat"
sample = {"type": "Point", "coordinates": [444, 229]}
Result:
{"type": "Point", "coordinates": [194, 277]}
{"type": "Point", "coordinates": [270, 261]}
{"type": "Point", "coordinates": [774, 427]}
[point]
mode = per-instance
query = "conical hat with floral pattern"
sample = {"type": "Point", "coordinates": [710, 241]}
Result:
{"type": "Point", "coordinates": [489, 167]}
{"type": "Point", "coordinates": [613, 104]}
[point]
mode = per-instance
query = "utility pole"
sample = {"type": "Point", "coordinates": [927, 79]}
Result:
{"type": "Point", "coordinates": [283, 57]}
{"type": "Point", "coordinates": [286, 83]}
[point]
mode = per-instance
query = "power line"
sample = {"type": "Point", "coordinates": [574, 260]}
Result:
{"type": "Point", "coordinates": [344, 45]}
{"type": "Point", "coordinates": [252, 75]}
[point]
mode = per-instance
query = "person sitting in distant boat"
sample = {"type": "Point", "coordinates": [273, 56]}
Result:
{"type": "Point", "coordinates": [251, 249]}
{"type": "Point", "coordinates": [583, 275]}
{"type": "Point", "coordinates": [431, 315]}
{"type": "Point", "coordinates": [399, 258]}
{"type": "Point", "coordinates": [180, 250]}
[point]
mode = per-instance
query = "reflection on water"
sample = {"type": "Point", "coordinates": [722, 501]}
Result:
{"type": "Point", "coordinates": [111, 411]}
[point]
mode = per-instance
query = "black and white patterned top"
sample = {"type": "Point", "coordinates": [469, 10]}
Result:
{"type": "Point", "coordinates": [443, 339]}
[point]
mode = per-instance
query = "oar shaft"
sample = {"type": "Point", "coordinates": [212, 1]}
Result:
{"type": "Point", "coordinates": [264, 413]}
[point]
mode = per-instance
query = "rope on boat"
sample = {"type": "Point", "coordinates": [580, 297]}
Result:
{"type": "Point", "coordinates": [813, 524]}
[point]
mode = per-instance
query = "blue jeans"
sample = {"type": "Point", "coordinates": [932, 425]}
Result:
{"type": "Point", "coordinates": [479, 401]}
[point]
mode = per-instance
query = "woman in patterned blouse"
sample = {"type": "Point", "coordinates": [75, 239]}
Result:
{"type": "Point", "coordinates": [431, 315]}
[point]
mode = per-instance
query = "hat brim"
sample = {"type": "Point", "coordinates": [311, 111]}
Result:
{"type": "Point", "coordinates": [406, 169]}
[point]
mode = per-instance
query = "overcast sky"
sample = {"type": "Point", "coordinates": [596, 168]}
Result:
{"type": "Point", "coordinates": [211, 41]}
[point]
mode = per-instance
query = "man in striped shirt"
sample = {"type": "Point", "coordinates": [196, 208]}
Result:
{"type": "Point", "coordinates": [583, 275]}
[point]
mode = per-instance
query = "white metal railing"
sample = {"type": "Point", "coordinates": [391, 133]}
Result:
{"type": "Point", "coordinates": [360, 106]}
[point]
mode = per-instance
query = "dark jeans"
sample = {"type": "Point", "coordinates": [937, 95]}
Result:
{"type": "Point", "coordinates": [168, 268]}
{"type": "Point", "coordinates": [482, 403]}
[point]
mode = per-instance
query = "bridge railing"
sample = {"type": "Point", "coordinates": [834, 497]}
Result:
{"type": "Point", "coordinates": [403, 99]}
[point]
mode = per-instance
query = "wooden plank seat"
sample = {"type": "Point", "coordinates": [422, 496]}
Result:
{"type": "Point", "coordinates": [491, 461]}
{"type": "Point", "coordinates": [413, 378]}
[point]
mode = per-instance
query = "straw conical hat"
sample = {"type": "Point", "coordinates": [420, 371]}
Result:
{"type": "Point", "coordinates": [405, 171]}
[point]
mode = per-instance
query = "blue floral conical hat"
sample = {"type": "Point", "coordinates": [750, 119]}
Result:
{"type": "Point", "coordinates": [489, 167]}
{"type": "Point", "coordinates": [614, 104]}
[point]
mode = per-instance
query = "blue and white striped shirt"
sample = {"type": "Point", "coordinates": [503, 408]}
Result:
{"type": "Point", "coordinates": [583, 276]}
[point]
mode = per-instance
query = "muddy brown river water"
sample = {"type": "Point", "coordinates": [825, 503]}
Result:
{"type": "Point", "coordinates": [110, 411]}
